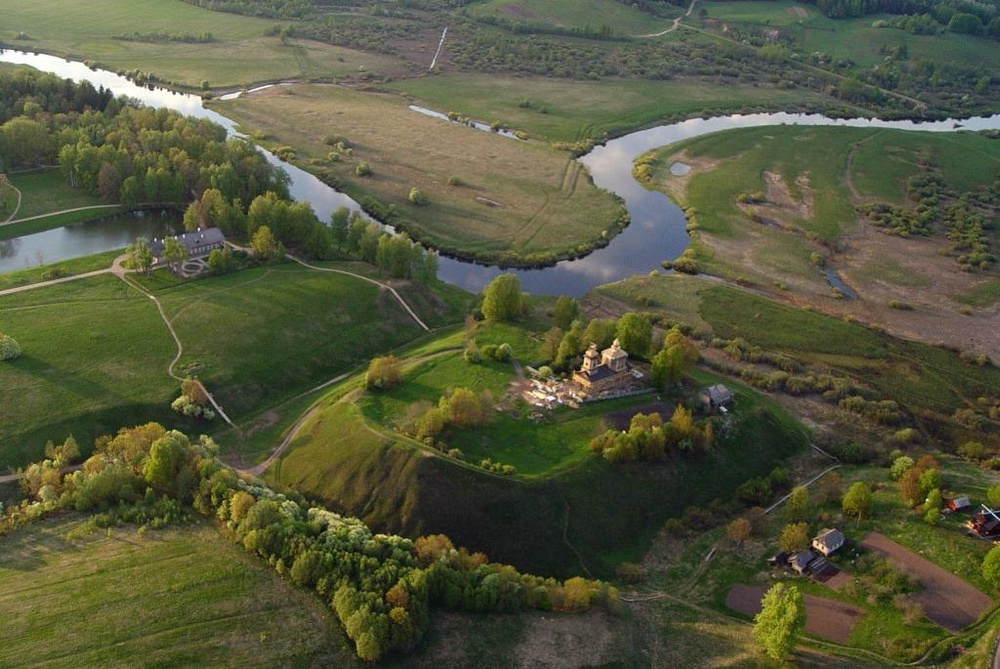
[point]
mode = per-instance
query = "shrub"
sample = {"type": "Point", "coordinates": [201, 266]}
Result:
{"type": "Point", "coordinates": [9, 348]}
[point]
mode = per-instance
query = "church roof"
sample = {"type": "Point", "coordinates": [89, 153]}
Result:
{"type": "Point", "coordinates": [615, 351]}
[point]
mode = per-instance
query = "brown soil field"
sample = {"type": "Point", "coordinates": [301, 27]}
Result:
{"type": "Point", "coordinates": [825, 618]}
{"type": "Point", "coordinates": [947, 600]}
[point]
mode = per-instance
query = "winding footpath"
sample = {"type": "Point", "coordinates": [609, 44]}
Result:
{"type": "Point", "coordinates": [676, 23]}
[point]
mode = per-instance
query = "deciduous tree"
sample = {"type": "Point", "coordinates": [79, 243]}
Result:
{"type": "Point", "coordinates": [991, 567]}
{"type": "Point", "coordinates": [384, 372]}
{"type": "Point", "coordinates": [634, 333]}
{"type": "Point", "coordinates": [780, 621]}
{"type": "Point", "coordinates": [794, 537]}
{"type": "Point", "coordinates": [502, 298]}
{"type": "Point", "coordinates": [857, 500]}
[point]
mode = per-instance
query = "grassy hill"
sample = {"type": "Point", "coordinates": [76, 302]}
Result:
{"type": "Point", "coordinates": [566, 512]}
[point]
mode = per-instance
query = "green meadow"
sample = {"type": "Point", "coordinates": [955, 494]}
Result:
{"type": "Point", "coordinates": [621, 19]}
{"type": "Point", "coordinates": [180, 597]}
{"type": "Point", "coordinates": [96, 351]}
{"type": "Point", "coordinates": [239, 55]}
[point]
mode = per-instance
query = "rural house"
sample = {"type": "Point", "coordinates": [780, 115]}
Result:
{"type": "Point", "coordinates": [800, 561]}
{"type": "Point", "coordinates": [198, 243]}
{"type": "Point", "coordinates": [716, 398]}
{"type": "Point", "coordinates": [828, 541]}
{"type": "Point", "coordinates": [985, 523]}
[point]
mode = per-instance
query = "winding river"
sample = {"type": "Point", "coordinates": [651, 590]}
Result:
{"type": "Point", "coordinates": [656, 232]}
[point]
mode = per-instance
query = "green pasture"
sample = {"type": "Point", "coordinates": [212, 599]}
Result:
{"type": "Point", "coordinates": [96, 351]}
{"type": "Point", "coordinates": [621, 19]}
{"type": "Point", "coordinates": [567, 110]}
{"type": "Point", "coordinates": [853, 39]}
{"type": "Point", "coordinates": [884, 160]}
{"type": "Point", "coordinates": [56, 270]}
{"type": "Point", "coordinates": [180, 597]}
{"type": "Point", "coordinates": [239, 56]}
{"type": "Point", "coordinates": [94, 357]}
{"type": "Point", "coordinates": [518, 199]}
{"type": "Point", "coordinates": [46, 191]}
{"type": "Point", "coordinates": [258, 337]}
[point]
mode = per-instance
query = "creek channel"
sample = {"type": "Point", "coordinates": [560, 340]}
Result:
{"type": "Point", "coordinates": [657, 228]}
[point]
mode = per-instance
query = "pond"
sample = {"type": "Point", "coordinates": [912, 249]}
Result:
{"type": "Point", "coordinates": [83, 239]}
{"type": "Point", "coordinates": [656, 233]}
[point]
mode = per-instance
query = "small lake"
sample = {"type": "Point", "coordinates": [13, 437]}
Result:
{"type": "Point", "coordinates": [656, 233]}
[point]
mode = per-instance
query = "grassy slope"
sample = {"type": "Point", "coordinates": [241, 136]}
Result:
{"type": "Point", "coordinates": [240, 55]}
{"type": "Point", "coordinates": [95, 356]}
{"type": "Point", "coordinates": [180, 597]}
{"type": "Point", "coordinates": [920, 376]}
{"type": "Point", "coordinates": [96, 352]}
{"type": "Point", "coordinates": [63, 268]}
{"type": "Point", "coordinates": [46, 191]}
{"type": "Point", "coordinates": [545, 201]}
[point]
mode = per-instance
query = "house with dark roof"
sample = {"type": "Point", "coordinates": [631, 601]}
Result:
{"type": "Point", "coordinates": [717, 398]}
{"type": "Point", "coordinates": [198, 243]}
{"type": "Point", "coordinates": [828, 541]}
{"type": "Point", "coordinates": [800, 561]}
{"type": "Point", "coordinates": [985, 522]}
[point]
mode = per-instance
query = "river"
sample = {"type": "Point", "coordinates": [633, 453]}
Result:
{"type": "Point", "coordinates": [656, 233]}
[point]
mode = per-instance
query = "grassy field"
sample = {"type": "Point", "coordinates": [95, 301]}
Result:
{"type": "Point", "coordinates": [57, 269]}
{"type": "Point", "coordinates": [179, 597]}
{"type": "Point", "coordinates": [807, 183]}
{"type": "Point", "coordinates": [96, 351]}
{"type": "Point", "coordinates": [95, 356]}
{"type": "Point", "coordinates": [240, 54]}
{"type": "Point", "coordinates": [855, 40]}
{"type": "Point", "coordinates": [515, 198]}
{"type": "Point", "coordinates": [591, 14]}
{"type": "Point", "coordinates": [567, 110]}
{"type": "Point", "coordinates": [46, 191]}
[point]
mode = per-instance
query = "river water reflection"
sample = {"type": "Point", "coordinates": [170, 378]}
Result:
{"type": "Point", "coordinates": [656, 232]}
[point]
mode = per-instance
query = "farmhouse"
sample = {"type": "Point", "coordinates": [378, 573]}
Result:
{"type": "Point", "coordinates": [800, 561]}
{"type": "Point", "coordinates": [197, 244]}
{"type": "Point", "coordinates": [716, 398]}
{"type": "Point", "coordinates": [986, 522]}
{"type": "Point", "coordinates": [608, 372]}
{"type": "Point", "coordinates": [828, 541]}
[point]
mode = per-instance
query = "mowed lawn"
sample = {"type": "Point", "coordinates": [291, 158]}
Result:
{"type": "Point", "coordinates": [239, 55]}
{"type": "Point", "coordinates": [94, 357]}
{"type": "Point", "coordinates": [514, 196]}
{"type": "Point", "coordinates": [180, 597]}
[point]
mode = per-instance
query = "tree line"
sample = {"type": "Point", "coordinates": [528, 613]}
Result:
{"type": "Point", "coordinates": [381, 587]}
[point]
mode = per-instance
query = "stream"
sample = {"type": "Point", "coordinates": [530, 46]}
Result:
{"type": "Point", "coordinates": [656, 233]}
